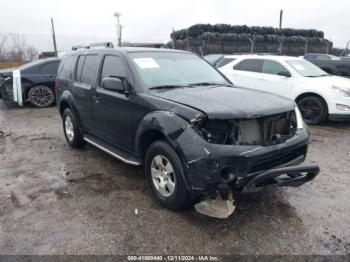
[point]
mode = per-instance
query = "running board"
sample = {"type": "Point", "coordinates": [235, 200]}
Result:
{"type": "Point", "coordinates": [113, 151]}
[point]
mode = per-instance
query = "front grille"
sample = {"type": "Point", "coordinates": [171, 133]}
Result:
{"type": "Point", "coordinates": [269, 130]}
{"type": "Point", "coordinates": [277, 160]}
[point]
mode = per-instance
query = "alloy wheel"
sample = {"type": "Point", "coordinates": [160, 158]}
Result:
{"type": "Point", "coordinates": [69, 128]}
{"type": "Point", "coordinates": [41, 96]}
{"type": "Point", "coordinates": [163, 176]}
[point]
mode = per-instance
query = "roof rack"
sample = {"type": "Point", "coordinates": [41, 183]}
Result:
{"type": "Point", "coordinates": [93, 45]}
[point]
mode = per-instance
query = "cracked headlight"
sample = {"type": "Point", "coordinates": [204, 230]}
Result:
{"type": "Point", "coordinates": [341, 91]}
{"type": "Point", "coordinates": [299, 118]}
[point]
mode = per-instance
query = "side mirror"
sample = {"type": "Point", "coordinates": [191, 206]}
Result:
{"type": "Point", "coordinates": [284, 73]}
{"type": "Point", "coordinates": [113, 84]}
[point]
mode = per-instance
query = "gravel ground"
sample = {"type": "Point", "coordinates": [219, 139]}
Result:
{"type": "Point", "coordinates": [56, 200]}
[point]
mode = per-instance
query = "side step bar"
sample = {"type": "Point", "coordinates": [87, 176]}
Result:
{"type": "Point", "coordinates": [286, 176]}
{"type": "Point", "coordinates": [112, 151]}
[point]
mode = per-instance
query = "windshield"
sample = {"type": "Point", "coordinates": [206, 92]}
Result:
{"type": "Point", "coordinates": [306, 68]}
{"type": "Point", "coordinates": [159, 69]}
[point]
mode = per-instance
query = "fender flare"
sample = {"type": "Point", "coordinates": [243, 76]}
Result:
{"type": "Point", "coordinates": [68, 98]}
{"type": "Point", "coordinates": [169, 124]}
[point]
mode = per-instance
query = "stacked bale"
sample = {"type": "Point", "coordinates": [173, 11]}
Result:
{"type": "Point", "coordinates": [228, 39]}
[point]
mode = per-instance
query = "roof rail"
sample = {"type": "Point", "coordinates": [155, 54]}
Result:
{"type": "Point", "coordinates": [92, 45]}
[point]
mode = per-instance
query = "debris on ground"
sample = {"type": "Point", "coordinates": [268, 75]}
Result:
{"type": "Point", "coordinates": [216, 208]}
{"type": "Point", "coordinates": [4, 134]}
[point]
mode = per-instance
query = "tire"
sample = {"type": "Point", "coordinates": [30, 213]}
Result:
{"type": "Point", "coordinates": [313, 109]}
{"type": "Point", "coordinates": [71, 130]}
{"type": "Point", "coordinates": [174, 198]}
{"type": "Point", "coordinates": [41, 96]}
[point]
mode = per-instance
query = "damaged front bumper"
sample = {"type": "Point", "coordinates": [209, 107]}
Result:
{"type": "Point", "coordinates": [213, 168]}
{"type": "Point", "coordinates": [286, 176]}
{"type": "Point", "coordinates": [6, 90]}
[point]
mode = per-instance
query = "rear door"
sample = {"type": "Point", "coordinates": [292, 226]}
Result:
{"type": "Point", "coordinates": [247, 73]}
{"type": "Point", "coordinates": [84, 80]}
{"type": "Point", "coordinates": [113, 112]}
{"type": "Point", "coordinates": [272, 82]}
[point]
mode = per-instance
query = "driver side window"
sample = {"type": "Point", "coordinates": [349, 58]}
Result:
{"type": "Point", "coordinates": [273, 67]}
{"type": "Point", "coordinates": [112, 67]}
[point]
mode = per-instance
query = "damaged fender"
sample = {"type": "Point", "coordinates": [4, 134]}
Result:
{"type": "Point", "coordinates": [171, 126]}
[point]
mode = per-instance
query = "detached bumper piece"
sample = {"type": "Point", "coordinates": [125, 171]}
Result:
{"type": "Point", "coordinates": [293, 176]}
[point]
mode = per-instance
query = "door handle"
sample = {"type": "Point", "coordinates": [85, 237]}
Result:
{"type": "Point", "coordinates": [96, 98]}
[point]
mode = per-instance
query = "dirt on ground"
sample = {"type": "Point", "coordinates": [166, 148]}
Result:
{"type": "Point", "coordinates": [57, 200]}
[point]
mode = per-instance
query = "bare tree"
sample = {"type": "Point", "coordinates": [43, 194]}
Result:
{"type": "Point", "coordinates": [17, 48]}
{"type": "Point", "coordinates": [20, 51]}
{"type": "Point", "coordinates": [31, 53]}
{"type": "Point", "coordinates": [3, 40]}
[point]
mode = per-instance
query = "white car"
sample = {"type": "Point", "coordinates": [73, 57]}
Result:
{"type": "Point", "coordinates": [318, 94]}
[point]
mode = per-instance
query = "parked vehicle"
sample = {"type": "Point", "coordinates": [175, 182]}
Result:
{"type": "Point", "coordinates": [345, 58]}
{"type": "Point", "coordinates": [330, 63]}
{"type": "Point", "coordinates": [318, 94]}
{"type": "Point", "coordinates": [213, 58]}
{"type": "Point", "coordinates": [195, 134]}
{"type": "Point", "coordinates": [33, 82]}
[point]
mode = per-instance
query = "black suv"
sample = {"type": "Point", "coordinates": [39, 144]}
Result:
{"type": "Point", "coordinates": [196, 134]}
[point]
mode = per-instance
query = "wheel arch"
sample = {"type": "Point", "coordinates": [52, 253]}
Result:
{"type": "Point", "coordinates": [28, 87]}
{"type": "Point", "coordinates": [66, 100]}
{"type": "Point", "coordinates": [158, 125]}
{"type": "Point", "coordinates": [300, 96]}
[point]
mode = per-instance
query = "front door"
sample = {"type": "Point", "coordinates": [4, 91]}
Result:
{"type": "Point", "coordinates": [113, 115]}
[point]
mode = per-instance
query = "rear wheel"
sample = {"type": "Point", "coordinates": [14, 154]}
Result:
{"type": "Point", "coordinates": [313, 109]}
{"type": "Point", "coordinates": [41, 96]}
{"type": "Point", "coordinates": [164, 172]}
{"type": "Point", "coordinates": [71, 129]}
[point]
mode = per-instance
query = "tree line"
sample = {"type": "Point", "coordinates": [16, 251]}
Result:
{"type": "Point", "coordinates": [14, 48]}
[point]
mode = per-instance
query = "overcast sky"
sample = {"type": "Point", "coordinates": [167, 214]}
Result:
{"type": "Point", "coordinates": [153, 20]}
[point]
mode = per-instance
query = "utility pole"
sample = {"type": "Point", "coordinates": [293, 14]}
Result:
{"type": "Point", "coordinates": [252, 43]}
{"type": "Point", "coordinates": [280, 28]}
{"type": "Point", "coordinates": [54, 37]}
{"type": "Point", "coordinates": [119, 29]}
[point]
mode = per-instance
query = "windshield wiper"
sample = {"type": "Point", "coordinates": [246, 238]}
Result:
{"type": "Point", "coordinates": [159, 87]}
{"type": "Point", "coordinates": [165, 87]}
{"type": "Point", "coordinates": [208, 84]}
{"type": "Point", "coordinates": [318, 75]}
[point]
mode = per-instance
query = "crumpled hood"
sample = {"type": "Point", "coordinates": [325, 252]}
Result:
{"type": "Point", "coordinates": [224, 102]}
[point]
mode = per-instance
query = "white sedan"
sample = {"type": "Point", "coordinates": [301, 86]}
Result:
{"type": "Point", "coordinates": [318, 94]}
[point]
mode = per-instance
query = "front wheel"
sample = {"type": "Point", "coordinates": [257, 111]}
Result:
{"type": "Point", "coordinates": [313, 109]}
{"type": "Point", "coordinates": [41, 96]}
{"type": "Point", "coordinates": [164, 172]}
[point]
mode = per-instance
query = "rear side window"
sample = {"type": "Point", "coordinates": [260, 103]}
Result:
{"type": "Point", "coordinates": [88, 71]}
{"type": "Point", "coordinates": [49, 68]}
{"type": "Point", "coordinates": [323, 57]}
{"type": "Point", "coordinates": [250, 65]}
{"type": "Point", "coordinates": [224, 61]}
{"type": "Point", "coordinates": [310, 56]}
{"type": "Point", "coordinates": [66, 68]}
{"type": "Point", "coordinates": [272, 67]}
{"type": "Point", "coordinates": [80, 64]}
{"type": "Point", "coordinates": [112, 67]}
